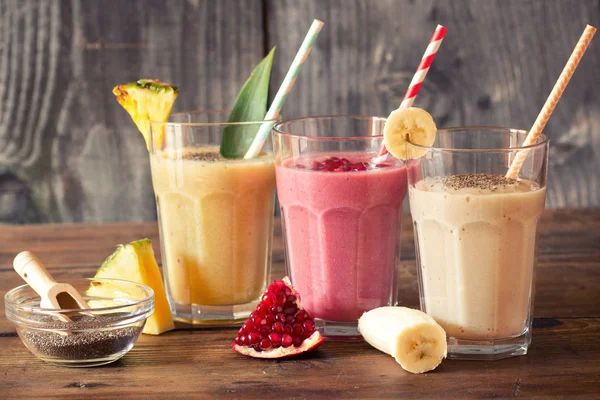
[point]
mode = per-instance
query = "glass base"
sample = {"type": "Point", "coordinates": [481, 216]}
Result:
{"type": "Point", "coordinates": [338, 331]}
{"type": "Point", "coordinates": [201, 316]}
{"type": "Point", "coordinates": [491, 349]}
{"type": "Point", "coordinates": [84, 363]}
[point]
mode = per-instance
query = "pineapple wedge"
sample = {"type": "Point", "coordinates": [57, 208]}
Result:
{"type": "Point", "coordinates": [147, 100]}
{"type": "Point", "coordinates": [135, 262]}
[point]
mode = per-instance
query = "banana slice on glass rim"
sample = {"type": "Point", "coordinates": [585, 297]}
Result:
{"type": "Point", "coordinates": [408, 124]}
{"type": "Point", "coordinates": [413, 338]}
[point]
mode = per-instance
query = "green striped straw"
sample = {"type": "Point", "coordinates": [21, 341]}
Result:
{"type": "Point", "coordinates": [284, 90]}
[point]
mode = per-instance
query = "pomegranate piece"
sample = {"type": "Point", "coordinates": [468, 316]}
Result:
{"type": "Point", "coordinates": [279, 326]}
{"type": "Point", "coordinates": [335, 164]}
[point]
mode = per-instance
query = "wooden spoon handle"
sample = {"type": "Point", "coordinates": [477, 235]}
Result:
{"type": "Point", "coordinates": [29, 267]}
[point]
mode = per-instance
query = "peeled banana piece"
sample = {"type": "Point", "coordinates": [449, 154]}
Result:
{"type": "Point", "coordinates": [411, 124]}
{"type": "Point", "coordinates": [413, 338]}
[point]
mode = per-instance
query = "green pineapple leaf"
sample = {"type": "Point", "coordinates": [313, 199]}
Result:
{"type": "Point", "coordinates": [250, 105]}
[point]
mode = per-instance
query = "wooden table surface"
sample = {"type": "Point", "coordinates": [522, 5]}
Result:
{"type": "Point", "coordinates": [564, 360]}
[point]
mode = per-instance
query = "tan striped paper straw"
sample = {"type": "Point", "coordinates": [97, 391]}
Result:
{"type": "Point", "coordinates": [552, 101]}
{"type": "Point", "coordinates": [284, 90]}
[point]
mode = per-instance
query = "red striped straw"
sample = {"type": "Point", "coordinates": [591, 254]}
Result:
{"type": "Point", "coordinates": [422, 69]}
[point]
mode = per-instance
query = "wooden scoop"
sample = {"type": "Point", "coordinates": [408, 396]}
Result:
{"type": "Point", "coordinates": [54, 295]}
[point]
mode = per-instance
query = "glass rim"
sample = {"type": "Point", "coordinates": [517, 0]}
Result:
{"type": "Point", "coordinates": [544, 140]}
{"type": "Point", "coordinates": [278, 131]}
{"type": "Point", "coordinates": [208, 111]}
{"type": "Point", "coordinates": [16, 306]}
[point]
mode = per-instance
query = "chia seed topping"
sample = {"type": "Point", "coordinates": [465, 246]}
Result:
{"type": "Point", "coordinates": [478, 181]}
{"type": "Point", "coordinates": [205, 156]}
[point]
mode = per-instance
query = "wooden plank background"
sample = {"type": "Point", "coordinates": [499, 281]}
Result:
{"type": "Point", "coordinates": [68, 152]}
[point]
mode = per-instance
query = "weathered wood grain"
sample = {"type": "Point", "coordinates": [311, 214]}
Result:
{"type": "Point", "coordinates": [497, 65]}
{"type": "Point", "coordinates": [562, 362]}
{"type": "Point", "coordinates": [71, 149]}
{"type": "Point", "coordinates": [69, 153]}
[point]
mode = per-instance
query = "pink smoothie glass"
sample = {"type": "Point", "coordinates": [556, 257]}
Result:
{"type": "Point", "coordinates": [340, 213]}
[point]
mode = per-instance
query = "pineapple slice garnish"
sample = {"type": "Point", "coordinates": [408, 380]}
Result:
{"type": "Point", "coordinates": [135, 262]}
{"type": "Point", "coordinates": [147, 100]}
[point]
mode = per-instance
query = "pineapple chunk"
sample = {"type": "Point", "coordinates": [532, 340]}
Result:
{"type": "Point", "coordinates": [135, 262]}
{"type": "Point", "coordinates": [147, 100]}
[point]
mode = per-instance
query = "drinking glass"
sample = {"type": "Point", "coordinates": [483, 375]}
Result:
{"type": "Point", "coordinates": [215, 218]}
{"type": "Point", "coordinates": [475, 235]}
{"type": "Point", "coordinates": [340, 213]}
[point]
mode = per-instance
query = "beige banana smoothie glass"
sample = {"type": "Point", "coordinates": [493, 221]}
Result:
{"type": "Point", "coordinates": [215, 217]}
{"type": "Point", "coordinates": [475, 234]}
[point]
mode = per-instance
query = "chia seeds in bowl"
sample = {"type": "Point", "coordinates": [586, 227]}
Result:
{"type": "Point", "coordinates": [97, 336]}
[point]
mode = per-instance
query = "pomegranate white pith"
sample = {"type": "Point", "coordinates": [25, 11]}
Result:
{"type": "Point", "coordinates": [279, 327]}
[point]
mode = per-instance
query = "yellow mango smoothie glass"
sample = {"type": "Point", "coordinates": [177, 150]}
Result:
{"type": "Point", "coordinates": [215, 218]}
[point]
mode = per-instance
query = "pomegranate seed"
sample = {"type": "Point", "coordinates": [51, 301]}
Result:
{"type": "Point", "coordinates": [289, 320]}
{"type": "Point", "coordinates": [276, 309]}
{"type": "Point", "coordinates": [359, 166]}
{"type": "Point", "coordinates": [271, 290]}
{"type": "Point", "coordinates": [265, 344]}
{"type": "Point", "coordinates": [262, 309]}
{"type": "Point", "coordinates": [269, 299]}
{"type": "Point", "coordinates": [289, 305]}
{"type": "Point", "coordinates": [244, 340]}
{"type": "Point", "coordinates": [278, 327]}
{"type": "Point", "coordinates": [286, 340]}
{"type": "Point", "coordinates": [280, 317]}
{"type": "Point", "coordinates": [275, 338]}
{"type": "Point", "coordinates": [335, 164]}
{"type": "Point", "coordinates": [270, 319]}
{"type": "Point", "coordinates": [288, 329]}
{"type": "Point", "coordinates": [280, 298]}
{"type": "Point", "coordinates": [291, 298]}
{"type": "Point", "coordinates": [298, 329]}
{"type": "Point", "coordinates": [300, 316]}
{"type": "Point", "coordinates": [287, 291]}
{"type": "Point", "coordinates": [254, 338]}
{"type": "Point", "coordinates": [309, 326]}
{"type": "Point", "coordinates": [289, 310]}
{"type": "Point", "coordinates": [238, 341]}
{"type": "Point", "coordinates": [264, 330]}
{"type": "Point", "coordinates": [297, 341]}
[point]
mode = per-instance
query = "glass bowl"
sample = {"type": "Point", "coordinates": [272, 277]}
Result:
{"type": "Point", "coordinates": [86, 338]}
